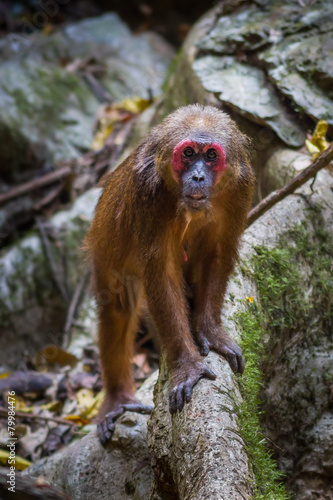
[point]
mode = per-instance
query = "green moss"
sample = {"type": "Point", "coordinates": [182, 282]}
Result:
{"type": "Point", "coordinates": [268, 485]}
{"type": "Point", "coordinates": [295, 289]}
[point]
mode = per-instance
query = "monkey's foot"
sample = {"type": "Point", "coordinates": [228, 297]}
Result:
{"type": "Point", "coordinates": [106, 428]}
{"type": "Point", "coordinates": [219, 341]}
{"type": "Point", "coordinates": [185, 379]}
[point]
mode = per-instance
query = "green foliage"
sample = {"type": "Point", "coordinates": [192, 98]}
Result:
{"type": "Point", "coordinates": [268, 485]}
{"type": "Point", "coordinates": [295, 288]}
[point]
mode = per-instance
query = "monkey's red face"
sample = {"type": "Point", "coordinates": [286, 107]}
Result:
{"type": "Point", "coordinates": [197, 166]}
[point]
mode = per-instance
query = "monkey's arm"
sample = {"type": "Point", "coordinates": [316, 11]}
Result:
{"type": "Point", "coordinates": [168, 306]}
{"type": "Point", "coordinates": [209, 294]}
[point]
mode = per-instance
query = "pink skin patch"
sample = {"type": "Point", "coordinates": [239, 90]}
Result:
{"type": "Point", "coordinates": [179, 160]}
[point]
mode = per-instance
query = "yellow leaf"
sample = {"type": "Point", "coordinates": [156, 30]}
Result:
{"type": "Point", "coordinates": [21, 406]}
{"type": "Point", "coordinates": [311, 147]}
{"type": "Point", "coordinates": [133, 104]}
{"type": "Point", "coordinates": [88, 403]}
{"type": "Point", "coordinates": [5, 374]}
{"type": "Point", "coordinates": [249, 299]}
{"type": "Point", "coordinates": [318, 141]}
{"type": "Point", "coordinates": [77, 419]}
{"type": "Point", "coordinates": [52, 406]}
{"type": "Point", "coordinates": [20, 463]}
{"type": "Point", "coordinates": [101, 135]}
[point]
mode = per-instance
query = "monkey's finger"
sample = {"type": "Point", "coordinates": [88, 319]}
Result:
{"type": "Point", "coordinates": [103, 432]}
{"type": "Point", "coordinates": [204, 346]}
{"type": "Point", "coordinates": [231, 357]}
{"type": "Point", "coordinates": [179, 398]}
{"type": "Point", "coordinates": [209, 373]}
{"type": "Point", "coordinates": [111, 427]}
{"type": "Point", "coordinates": [173, 401]}
{"type": "Point", "coordinates": [187, 392]}
{"type": "Point", "coordinates": [138, 408]}
{"type": "Point", "coordinates": [241, 363]}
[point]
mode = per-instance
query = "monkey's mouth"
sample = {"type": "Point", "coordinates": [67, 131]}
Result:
{"type": "Point", "coordinates": [196, 200]}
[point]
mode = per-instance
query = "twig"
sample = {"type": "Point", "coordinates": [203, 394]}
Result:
{"type": "Point", "coordinates": [72, 308]}
{"type": "Point", "coordinates": [101, 94]}
{"type": "Point", "coordinates": [320, 162]}
{"type": "Point", "coordinates": [276, 446]}
{"type": "Point", "coordinates": [3, 411]}
{"type": "Point", "coordinates": [48, 252]}
{"type": "Point", "coordinates": [43, 181]}
{"type": "Point", "coordinates": [49, 197]}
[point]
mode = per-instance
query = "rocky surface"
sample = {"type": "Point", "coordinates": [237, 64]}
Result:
{"type": "Point", "coordinates": [295, 398]}
{"type": "Point", "coordinates": [120, 471]}
{"type": "Point", "coordinates": [32, 309]}
{"type": "Point", "coordinates": [52, 85]}
{"type": "Point", "coordinates": [267, 63]}
{"type": "Point", "coordinates": [295, 290]}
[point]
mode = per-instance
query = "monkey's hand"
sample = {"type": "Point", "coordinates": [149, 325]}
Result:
{"type": "Point", "coordinates": [217, 339]}
{"type": "Point", "coordinates": [106, 428]}
{"type": "Point", "coordinates": [184, 379]}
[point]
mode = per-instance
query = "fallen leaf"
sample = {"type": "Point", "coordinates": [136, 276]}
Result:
{"type": "Point", "coordinates": [77, 419]}
{"type": "Point", "coordinates": [88, 404]}
{"type": "Point", "coordinates": [21, 406]}
{"type": "Point", "coordinates": [52, 354]}
{"type": "Point", "coordinates": [52, 406]}
{"type": "Point", "coordinates": [317, 142]}
{"type": "Point", "coordinates": [20, 463]}
{"type": "Point", "coordinates": [133, 105]}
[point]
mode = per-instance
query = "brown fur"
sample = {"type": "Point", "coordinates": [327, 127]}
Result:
{"type": "Point", "coordinates": [137, 241]}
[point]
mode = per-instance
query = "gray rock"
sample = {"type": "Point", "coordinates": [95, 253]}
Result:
{"type": "Point", "coordinates": [32, 310]}
{"type": "Point", "coordinates": [246, 89]}
{"type": "Point", "coordinates": [268, 63]}
{"type": "Point", "coordinates": [302, 69]}
{"type": "Point", "coordinates": [120, 471]}
{"type": "Point", "coordinates": [282, 166]}
{"type": "Point", "coordinates": [49, 106]}
{"type": "Point", "coordinates": [297, 368]}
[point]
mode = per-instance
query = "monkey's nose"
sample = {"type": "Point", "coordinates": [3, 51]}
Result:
{"type": "Point", "coordinates": [198, 179]}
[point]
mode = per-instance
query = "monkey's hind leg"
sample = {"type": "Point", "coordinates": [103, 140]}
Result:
{"type": "Point", "coordinates": [118, 324]}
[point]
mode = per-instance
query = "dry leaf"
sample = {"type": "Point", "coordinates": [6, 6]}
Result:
{"type": "Point", "coordinates": [133, 105]}
{"type": "Point", "coordinates": [20, 463]}
{"type": "Point", "coordinates": [88, 404]}
{"type": "Point", "coordinates": [77, 419]}
{"type": "Point", "coordinates": [52, 406]}
{"type": "Point", "coordinates": [317, 142]}
{"type": "Point", "coordinates": [52, 354]}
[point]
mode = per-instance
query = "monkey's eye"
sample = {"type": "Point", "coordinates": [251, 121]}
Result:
{"type": "Point", "coordinates": [211, 154]}
{"type": "Point", "coordinates": [188, 152]}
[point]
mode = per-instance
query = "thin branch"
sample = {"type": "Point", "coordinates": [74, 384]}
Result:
{"type": "Point", "coordinates": [40, 182]}
{"type": "Point", "coordinates": [73, 307]}
{"type": "Point", "coordinates": [320, 162]}
{"type": "Point", "coordinates": [18, 414]}
{"type": "Point", "coordinates": [48, 252]}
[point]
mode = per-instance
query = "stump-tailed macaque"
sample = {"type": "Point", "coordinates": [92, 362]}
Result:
{"type": "Point", "coordinates": [165, 237]}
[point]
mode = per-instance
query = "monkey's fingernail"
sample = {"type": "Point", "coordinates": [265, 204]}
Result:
{"type": "Point", "coordinates": [210, 374]}
{"type": "Point", "coordinates": [187, 394]}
